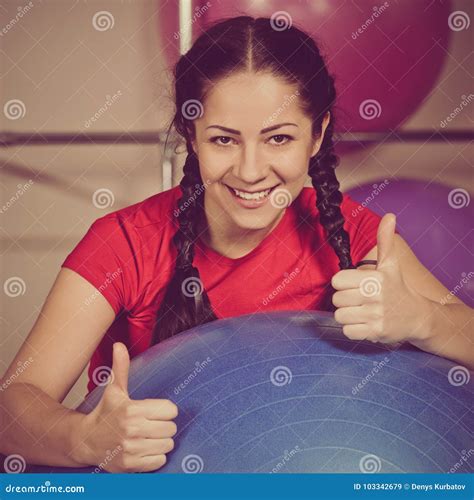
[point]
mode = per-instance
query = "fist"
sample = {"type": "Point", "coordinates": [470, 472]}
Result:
{"type": "Point", "coordinates": [127, 435]}
{"type": "Point", "coordinates": [376, 304]}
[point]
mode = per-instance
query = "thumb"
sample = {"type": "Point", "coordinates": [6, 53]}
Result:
{"type": "Point", "coordinates": [120, 366]}
{"type": "Point", "coordinates": [385, 240]}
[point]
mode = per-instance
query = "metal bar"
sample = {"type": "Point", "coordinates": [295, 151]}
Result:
{"type": "Point", "coordinates": [11, 139]}
{"type": "Point", "coordinates": [461, 135]}
{"type": "Point", "coordinates": [167, 170]}
{"type": "Point", "coordinates": [185, 25]}
{"type": "Point", "coordinates": [15, 169]}
{"type": "Point", "coordinates": [168, 160]}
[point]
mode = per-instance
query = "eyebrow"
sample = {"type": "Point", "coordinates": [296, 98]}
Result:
{"type": "Point", "coordinates": [263, 131]}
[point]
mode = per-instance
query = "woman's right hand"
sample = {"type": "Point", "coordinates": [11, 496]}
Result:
{"type": "Point", "coordinates": [127, 435]}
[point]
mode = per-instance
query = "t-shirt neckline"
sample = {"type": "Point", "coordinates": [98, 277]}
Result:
{"type": "Point", "coordinates": [274, 234]}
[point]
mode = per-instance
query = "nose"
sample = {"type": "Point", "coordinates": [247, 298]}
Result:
{"type": "Point", "coordinates": [249, 168]}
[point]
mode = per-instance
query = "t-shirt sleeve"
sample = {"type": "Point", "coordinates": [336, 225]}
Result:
{"type": "Point", "coordinates": [105, 258]}
{"type": "Point", "coordinates": [362, 224]}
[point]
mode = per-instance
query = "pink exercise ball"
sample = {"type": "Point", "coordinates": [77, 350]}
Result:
{"type": "Point", "coordinates": [385, 59]}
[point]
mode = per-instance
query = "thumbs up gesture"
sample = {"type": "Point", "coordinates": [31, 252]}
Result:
{"type": "Point", "coordinates": [126, 435]}
{"type": "Point", "coordinates": [377, 304]}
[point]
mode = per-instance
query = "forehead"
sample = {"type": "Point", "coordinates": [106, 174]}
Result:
{"type": "Point", "coordinates": [247, 100]}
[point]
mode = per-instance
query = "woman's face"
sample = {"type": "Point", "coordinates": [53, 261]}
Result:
{"type": "Point", "coordinates": [252, 136]}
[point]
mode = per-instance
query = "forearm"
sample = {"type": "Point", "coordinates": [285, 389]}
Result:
{"type": "Point", "coordinates": [447, 330]}
{"type": "Point", "coordinates": [39, 428]}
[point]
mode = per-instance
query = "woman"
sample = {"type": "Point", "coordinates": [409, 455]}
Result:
{"type": "Point", "coordinates": [254, 106]}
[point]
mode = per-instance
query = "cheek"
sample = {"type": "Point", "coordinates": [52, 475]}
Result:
{"type": "Point", "coordinates": [213, 166]}
{"type": "Point", "coordinates": [293, 171]}
{"type": "Point", "coordinates": [291, 162]}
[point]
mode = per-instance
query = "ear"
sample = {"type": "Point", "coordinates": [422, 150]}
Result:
{"type": "Point", "coordinates": [320, 139]}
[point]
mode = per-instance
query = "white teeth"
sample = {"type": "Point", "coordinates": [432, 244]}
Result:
{"type": "Point", "coordinates": [253, 196]}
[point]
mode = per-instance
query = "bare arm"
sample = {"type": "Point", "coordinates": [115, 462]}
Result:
{"type": "Point", "coordinates": [449, 332]}
{"type": "Point", "coordinates": [33, 422]}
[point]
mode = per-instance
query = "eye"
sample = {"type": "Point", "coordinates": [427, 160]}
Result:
{"type": "Point", "coordinates": [223, 140]}
{"type": "Point", "coordinates": [287, 138]}
{"type": "Point", "coordinates": [215, 140]}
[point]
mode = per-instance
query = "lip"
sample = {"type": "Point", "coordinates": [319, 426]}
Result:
{"type": "Point", "coordinates": [248, 203]}
{"type": "Point", "coordinates": [252, 192]}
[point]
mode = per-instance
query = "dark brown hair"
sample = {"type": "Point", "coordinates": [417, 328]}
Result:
{"type": "Point", "coordinates": [246, 44]}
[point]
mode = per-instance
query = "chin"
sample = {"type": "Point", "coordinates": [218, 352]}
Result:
{"type": "Point", "coordinates": [251, 220]}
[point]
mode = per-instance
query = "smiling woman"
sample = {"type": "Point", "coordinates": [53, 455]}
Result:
{"type": "Point", "coordinates": [240, 234]}
{"type": "Point", "coordinates": [264, 122]}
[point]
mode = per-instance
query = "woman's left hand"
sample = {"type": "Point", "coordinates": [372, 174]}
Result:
{"type": "Point", "coordinates": [377, 304]}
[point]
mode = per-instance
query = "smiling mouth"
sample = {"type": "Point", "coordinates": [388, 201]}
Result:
{"type": "Point", "coordinates": [251, 198]}
{"type": "Point", "coordinates": [252, 192]}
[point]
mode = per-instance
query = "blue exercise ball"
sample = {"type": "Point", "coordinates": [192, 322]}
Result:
{"type": "Point", "coordinates": [287, 392]}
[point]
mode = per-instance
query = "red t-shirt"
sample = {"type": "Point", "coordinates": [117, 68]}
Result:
{"type": "Point", "coordinates": [129, 256]}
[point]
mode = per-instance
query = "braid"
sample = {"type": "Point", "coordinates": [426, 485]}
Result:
{"type": "Point", "coordinates": [186, 303]}
{"type": "Point", "coordinates": [322, 170]}
{"type": "Point", "coordinates": [184, 239]}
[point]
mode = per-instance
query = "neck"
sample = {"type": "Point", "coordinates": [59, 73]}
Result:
{"type": "Point", "coordinates": [228, 239]}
